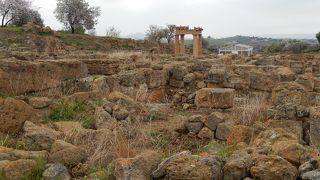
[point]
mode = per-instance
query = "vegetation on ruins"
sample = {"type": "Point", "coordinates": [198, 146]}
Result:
{"type": "Point", "coordinates": [76, 14]}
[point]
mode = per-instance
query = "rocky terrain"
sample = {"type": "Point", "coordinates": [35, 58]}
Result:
{"type": "Point", "coordinates": [104, 112]}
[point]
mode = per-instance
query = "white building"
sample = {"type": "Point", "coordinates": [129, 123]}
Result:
{"type": "Point", "coordinates": [239, 49]}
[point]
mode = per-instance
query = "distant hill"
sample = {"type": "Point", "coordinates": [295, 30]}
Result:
{"type": "Point", "coordinates": [259, 43]}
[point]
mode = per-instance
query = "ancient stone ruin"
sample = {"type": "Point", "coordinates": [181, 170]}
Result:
{"type": "Point", "coordinates": [181, 31]}
{"type": "Point", "coordinates": [112, 110]}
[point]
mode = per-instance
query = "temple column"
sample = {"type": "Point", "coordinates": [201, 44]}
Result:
{"type": "Point", "coordinates": [182, 48]}
{"type": "Point", "coordinates": [195, 45]}
{"type": "Point", "coordinates": [177, 44]}
{"type": "Point", "coordinates": [200, 45]}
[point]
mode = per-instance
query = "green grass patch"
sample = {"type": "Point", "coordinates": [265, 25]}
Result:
{"type": "Point", "coordinates": [12, 29]}
{"type": "Point", "coordinates": [77, 40]}
{"type": "Point", "coordinates": [72, 111]}
{"type": "Point", "coordinates": [88, 122]}
{"type": "Point", "coordinates": [66, 111]}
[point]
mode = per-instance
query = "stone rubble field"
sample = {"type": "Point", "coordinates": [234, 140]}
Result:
{"type": "Point", "coordinates": [138, 115]}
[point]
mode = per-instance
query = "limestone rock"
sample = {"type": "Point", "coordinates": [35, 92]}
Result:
{"type": "Point", "coordinates": [240, 134]}
{"type": "Point", "coordinates": [161, 170]}
{"type": "Point", "coordinates": [271, 136]}
{"type": "Point", "coordinates": [307, 166]}
{"type": "Point", "coordinates": [223, 130]}
{"type": "Point", "coordinates": [15, 154]}
{"type": "Point", "coordinates": [69, 156]}
{"type": "Point", "coordinates": [67, 126]}
{"type": "Point", "coordinates": [100, 85]}
{"type": "Point", "coordinates": [18, 169]}
{"type": "Point", "coordinates": [314, 126]}
{"type": "Point", "coordinates": [213, 120]}
{"type": "Point", "coordinates": [59, 145]}
{"type": "Point", "coordinates": [217, 74]}
{"type": "Point", "coordinates": [56, 171]}
{"type": "Point", "coordinates": [293, 152]}
{"type": "Point", "coordinates": [294, 127]}
{"type": "Point", "coordinates": [206, 133]}
{"type": "Point", "coordinates": [194, 124]}
{"type": "Point", "coordinates": [273, 167]}
{"type": "Point", "coordinates": [39, 137]}
{"type": "Point", "coordinates": [139, 167]}
{"type": "Point", "coordinates": [289, 92]}
{"type": "Point", "coordinates": [103, 119]}
{"type": "Point", "coordinates": [190, 77]}
{"type": "Point", "coordinates": [220, 98]}
{"type": "Point", "coordinates": [237, 166]}
{"type": "Point", "coordinates": [39, 102]}
{"type": "Point", "coordinates": [311, 175]}
{"type": "Point", "coordinates": [13, 114]}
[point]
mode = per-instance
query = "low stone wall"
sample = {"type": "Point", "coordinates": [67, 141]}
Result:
{"type": "Point", "coordinates": [19, 77]}
{"type": "Point", "coordinates": [102, 67]}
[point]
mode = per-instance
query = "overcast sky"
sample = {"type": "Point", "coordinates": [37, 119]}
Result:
{"type": "Point", "coordinates": [219, 18]}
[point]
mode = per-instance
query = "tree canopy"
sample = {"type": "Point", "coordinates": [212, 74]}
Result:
{"type": "Point", "coordinates": [76, 14]}
{"type": "Point", "coordinates": [14, 10]}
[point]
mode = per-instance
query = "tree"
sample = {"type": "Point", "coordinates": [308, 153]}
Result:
{"type": "Point", "coordinates": [318, 37]}
{"type": "Point", "coordinates": [11, 9]}
{"type": "Point", "coordinates": [112, 32]}
{"type": "Point", "coordinates": [169, 32]}
{"type": "Point", "coordinates": [155, 33]}
{"type": "Point", "coordinates": [76, 13]}
{"type": "Point", "coordinates": [28, 15]}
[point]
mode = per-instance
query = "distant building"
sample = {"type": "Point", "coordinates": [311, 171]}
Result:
{"type": "Point", "coordinates": [239, 49]}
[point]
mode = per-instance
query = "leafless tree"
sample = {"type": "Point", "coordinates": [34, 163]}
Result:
{"type": "Point", "coordinates": [112, 32]}
{"type": "Point", "coordinates": [11, 9]}
{"type": "Point", "coordinates": [155, 33]}
{"type": "Point", "coordinates": [76, 13]}
{"type": "Point", "coordinates": [169, 32]}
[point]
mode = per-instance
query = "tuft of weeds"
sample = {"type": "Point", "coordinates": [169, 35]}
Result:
{"type": "Point", "coordinates": [220, 149]}
{"type": "Point", "coordinates": [11, 141]}
{"type": "Point", "coordinates": [88, 122]}
{"type": "Point", "coordinates": [158, 140]}
{"type": "Point", "coordinates": [66, 111]}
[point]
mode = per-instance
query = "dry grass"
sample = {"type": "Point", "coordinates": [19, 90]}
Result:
{"type": "Point", "coordinates": [249, 110]}
{"type": "Point", "coordinates": [124, 54]}
{"type": "Point", "coordinates": [103, 146]}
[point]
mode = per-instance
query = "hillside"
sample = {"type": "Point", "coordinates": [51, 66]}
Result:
{"type": "Point", "coordinates": [259, 43]}
{"type": "Point", "coordinates": [28, 43]}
